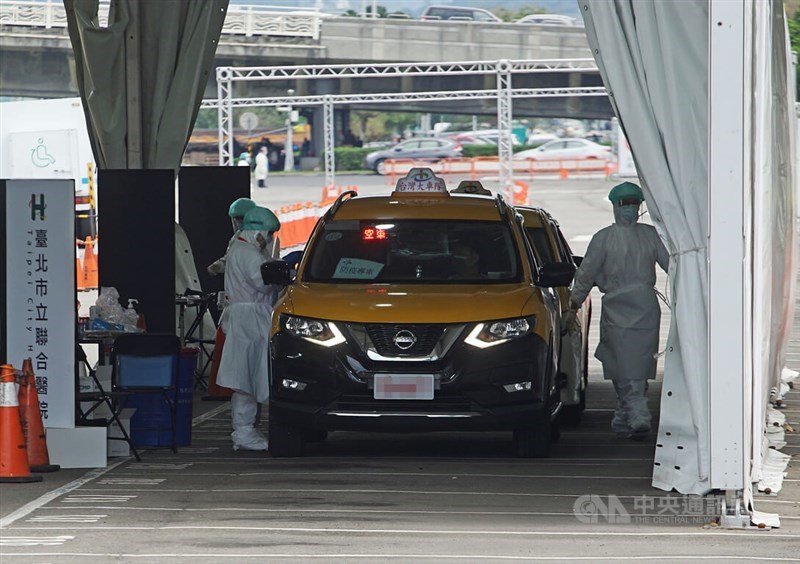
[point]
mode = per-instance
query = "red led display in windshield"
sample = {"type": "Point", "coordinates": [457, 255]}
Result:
{"type": "Point", "coordinates": [373, 234]}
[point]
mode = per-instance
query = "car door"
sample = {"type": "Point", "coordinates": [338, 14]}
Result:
{"type": "Point", "coordinates": [406, 150]}
{"type": "Point", "coordinates": [552, 151]}
{"type": "Point", "coordinates": [574, 149]}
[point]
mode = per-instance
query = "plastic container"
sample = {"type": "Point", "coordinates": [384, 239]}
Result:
{"type": "Point", "coordinates": [150, 425]}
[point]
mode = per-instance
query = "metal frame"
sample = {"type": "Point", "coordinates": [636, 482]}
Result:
{"type": "Point", "coordinates": [503, 93]}
{"type": "Point", "coordinates": [726, 276]}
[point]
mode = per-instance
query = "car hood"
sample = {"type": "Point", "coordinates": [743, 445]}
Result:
{"type": "Point", "coordinates": [399, 303]}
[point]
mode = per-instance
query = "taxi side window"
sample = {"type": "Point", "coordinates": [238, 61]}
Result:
{"type": "Point", "coordinates": [541, 243]}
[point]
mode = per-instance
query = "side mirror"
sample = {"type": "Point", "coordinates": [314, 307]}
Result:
{"type": "Point", "coordinates": [556, 274]}
{"type": "Point", "coordinates": [398, 149]}
{"type": "Point", "coordinates": [577, 260]}
{"type": "Point", "coordinates": [276, 272]}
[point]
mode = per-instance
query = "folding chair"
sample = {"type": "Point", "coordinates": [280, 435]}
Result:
{"type": "Point", "coordinates": [113, 400]}
{"type": "Point", "coordinates": [147, 363]}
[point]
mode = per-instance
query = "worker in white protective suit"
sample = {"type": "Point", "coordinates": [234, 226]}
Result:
{"type": "Point", "coordinates": [236, 212]}
{"type": "Point", "coordinates": [620, 261]}
{"type": "Point", "coordinates": [246, 322]}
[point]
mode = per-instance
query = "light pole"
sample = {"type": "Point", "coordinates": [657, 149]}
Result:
{"type": "Point", "coordinates": [288, 149]}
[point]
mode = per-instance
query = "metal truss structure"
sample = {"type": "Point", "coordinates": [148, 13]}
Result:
{"type": "Point", "coordinates": [504, 94]}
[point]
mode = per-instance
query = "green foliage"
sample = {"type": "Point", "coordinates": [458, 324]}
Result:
{"type": "Point", "coordinates": [510, 15]}
{"type": "Point", "coordinates": [794, 37]}
{"type": "Point", "coordinates": [350, 158]}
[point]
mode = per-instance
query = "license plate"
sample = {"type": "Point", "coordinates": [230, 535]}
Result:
{"type": "Point", "coordinates": [404, 386]}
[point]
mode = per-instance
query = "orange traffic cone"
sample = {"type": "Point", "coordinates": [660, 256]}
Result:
{"type": "Point", "coordinates": [89, 265]}
{"type": "Point", "coordinates": [31, 420]}
{"type": "Point", "coordinates": [216, 392]}
{"type": "Point", "coordinates": [79, 275]}
{"type": "Point", "coordinates": [13, 458]}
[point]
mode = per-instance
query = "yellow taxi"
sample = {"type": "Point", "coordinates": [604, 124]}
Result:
{"type": "Point", "coordinates": [422, 310]}
{"type": "Point", "coordinates": [550, 246]}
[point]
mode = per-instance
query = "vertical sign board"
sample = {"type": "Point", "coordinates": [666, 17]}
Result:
{"type": "Point", "coordinates": [626, 168]}
{"type": "Point", "coordinates": [40, 290]}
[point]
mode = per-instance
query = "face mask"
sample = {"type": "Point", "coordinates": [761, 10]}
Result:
{"type": "Point", "coordinates": [629, 213]}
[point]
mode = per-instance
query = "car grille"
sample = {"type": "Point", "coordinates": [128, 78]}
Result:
{"type": "Point", "coordinates": [383, 338]}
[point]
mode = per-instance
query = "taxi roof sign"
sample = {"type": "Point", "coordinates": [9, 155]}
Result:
{"type": "Point", "coordinates": [471, 187]}
{"type": "Point", "coordinates": [421, 181]}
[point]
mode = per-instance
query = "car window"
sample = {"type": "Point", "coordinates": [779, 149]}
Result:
{"type": "Point", "coordinates": [482, 17]}
{"type": "Point", "coordinates": [429, 144]}
{"type": "Point", "coordinates": [575, 144]}
{"type": "Point", "coordinates": [414, 252]}
{"type": "Point", "coordinates": [409, 145]}
{"type": "Point", "coordinates": [541, 243]}
{"type": "Point", "coordinates": [552, 146]}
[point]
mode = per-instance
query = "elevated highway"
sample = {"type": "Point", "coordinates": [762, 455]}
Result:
{"type": "Point", "coordinates": [37, 59]}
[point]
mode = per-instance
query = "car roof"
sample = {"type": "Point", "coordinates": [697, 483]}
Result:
{"type": "Point", "coordinates": [419, 206]}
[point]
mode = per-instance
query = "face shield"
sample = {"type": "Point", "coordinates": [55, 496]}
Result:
{"type": "Point", "coordinates": [236, 223]}
{"type": "Point", "coordinates": [628, 209]}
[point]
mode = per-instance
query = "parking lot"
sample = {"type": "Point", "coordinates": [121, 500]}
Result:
{"type": "Point", "coordinates": [400, 497]}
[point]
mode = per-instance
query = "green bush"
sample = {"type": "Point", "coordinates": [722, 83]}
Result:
{"type": "Point", "coordinates": [349, 158]}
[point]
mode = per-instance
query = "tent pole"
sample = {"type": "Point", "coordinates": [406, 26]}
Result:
{"type": "Point", "coordinates": [133, 82]}
{"type": "Point", "coordinates": [726, 267]}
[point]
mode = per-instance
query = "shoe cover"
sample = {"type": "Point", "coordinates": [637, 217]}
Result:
{"type": "Point", "coordinates": [249, 438]}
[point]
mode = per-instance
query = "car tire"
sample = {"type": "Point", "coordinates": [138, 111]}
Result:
{"type": "Point", "coordinates": [534, 441]}
{"type": "Point", "coordinates": [285, 441]}
{"type": "Point", "coordinates": [571, 415]}
{"type": "Point", "coordinates": [380, 167]}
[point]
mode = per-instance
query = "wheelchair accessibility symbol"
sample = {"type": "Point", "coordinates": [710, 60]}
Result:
{"type": "Point", "coordinates": [40, 157]}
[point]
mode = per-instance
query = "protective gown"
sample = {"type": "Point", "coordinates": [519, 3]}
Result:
{"type": "Point", "coordinates": [246, 323]}
{"type": "Point", "coordinates": [620, 261]}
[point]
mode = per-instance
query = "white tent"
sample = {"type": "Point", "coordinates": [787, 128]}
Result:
{"type": "Point", "coordinates": [703, 91]}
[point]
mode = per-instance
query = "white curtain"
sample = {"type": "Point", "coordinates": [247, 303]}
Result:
{"type": "Point", "coordinates": [653, 57]}
{"type": "Point", "coordinates": [171, 60]}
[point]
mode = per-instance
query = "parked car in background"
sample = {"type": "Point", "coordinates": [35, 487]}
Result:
{"type": "Point", "coordinates": [540, 137]}
{"type": "Point", "coordinates": [549, 19]}
{"type": "Point", "coordinates": [414, 148]}
{"type": "Point", "coordinates": [459, 13]}
{"type": "Point", "coordinates": [566, 149]}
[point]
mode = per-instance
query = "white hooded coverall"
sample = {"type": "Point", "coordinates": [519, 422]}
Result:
{"type": "Point", "coordinates": [246, 322]}
{"type": "Point", "coordinates": [620, 261]}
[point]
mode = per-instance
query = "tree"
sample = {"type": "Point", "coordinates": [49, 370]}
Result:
{"type": "Point", "coordinates": [510, 15]}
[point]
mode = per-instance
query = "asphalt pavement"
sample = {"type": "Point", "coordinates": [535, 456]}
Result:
{"type": "Point", "coordinates": [361, 497]}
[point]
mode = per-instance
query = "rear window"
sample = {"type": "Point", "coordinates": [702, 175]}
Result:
{"type": "Point", "coordinates": [541, 243]}
{"type": "Point", "coordinates": [414, 251]}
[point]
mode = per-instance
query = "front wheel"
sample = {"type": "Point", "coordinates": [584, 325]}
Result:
{"type": "Point", "coordinates": [380, 167]}
{"type": "Point", "coordinates": [285, 441]}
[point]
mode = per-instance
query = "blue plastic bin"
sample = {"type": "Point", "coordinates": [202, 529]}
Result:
{"type": "Point", "coordinates": [150, 425]}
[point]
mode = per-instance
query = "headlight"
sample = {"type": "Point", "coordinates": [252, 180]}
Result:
{"type": "Point", "coordinates": [320, 332]}
{"type": "Point", "coordinates": [493, 333]}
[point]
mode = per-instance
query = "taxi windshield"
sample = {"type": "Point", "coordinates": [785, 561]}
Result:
{"type": "Point", "coordinates": [414, 251]}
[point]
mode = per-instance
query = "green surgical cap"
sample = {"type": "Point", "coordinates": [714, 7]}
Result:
{"type": "Point", "coordinates": [625, 190]}
{"type": "Point", "coordinates": [241, 207]}
{"type": "Point", "coordinates": [260, 219]}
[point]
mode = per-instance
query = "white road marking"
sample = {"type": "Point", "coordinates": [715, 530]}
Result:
{"type": "Point", "coordinates": [160, 466]}
{"type": "Point", "coordinates": [395, 531]}
{"type": "Point", "coordinates": [34, 541]}
{"type": "Point", "coordinates": [29, 508]}
{"type": "Point", "coordinates": [66, 519]}
{"type": "Point", "coordinates": [130, 481]}
{"type": "Point", "coordinates": [98, 498]}
{"type": "Point", "coordinates": [378, 557]}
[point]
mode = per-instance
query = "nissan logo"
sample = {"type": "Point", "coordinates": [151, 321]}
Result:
{"type": "Point", "coordinates": [404, 339]}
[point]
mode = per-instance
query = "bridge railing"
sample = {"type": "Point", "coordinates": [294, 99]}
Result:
{"type": "Point", "coordinates": [240, 20]}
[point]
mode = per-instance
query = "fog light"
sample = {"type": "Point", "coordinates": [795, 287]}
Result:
{"type": "Point", "coordinates": [293, 385]}
{"type": "Point", "coordinates": [516, 386]}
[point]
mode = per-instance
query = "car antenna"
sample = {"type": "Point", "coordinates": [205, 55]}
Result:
{"type": "Point", "coordinates": [337, 204]}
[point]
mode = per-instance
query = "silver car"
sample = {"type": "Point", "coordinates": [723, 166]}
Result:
{"type": "Point", "coordinates": [429, 148]}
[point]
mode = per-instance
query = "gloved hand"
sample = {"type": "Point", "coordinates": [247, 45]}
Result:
{"type": "Point", "coordinates": [216, 267]}
{"type": "Point", "coordinates": [569, 321]}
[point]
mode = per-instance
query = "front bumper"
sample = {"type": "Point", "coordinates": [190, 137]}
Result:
{"type": "Point", "coordinates": [469, 393]}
